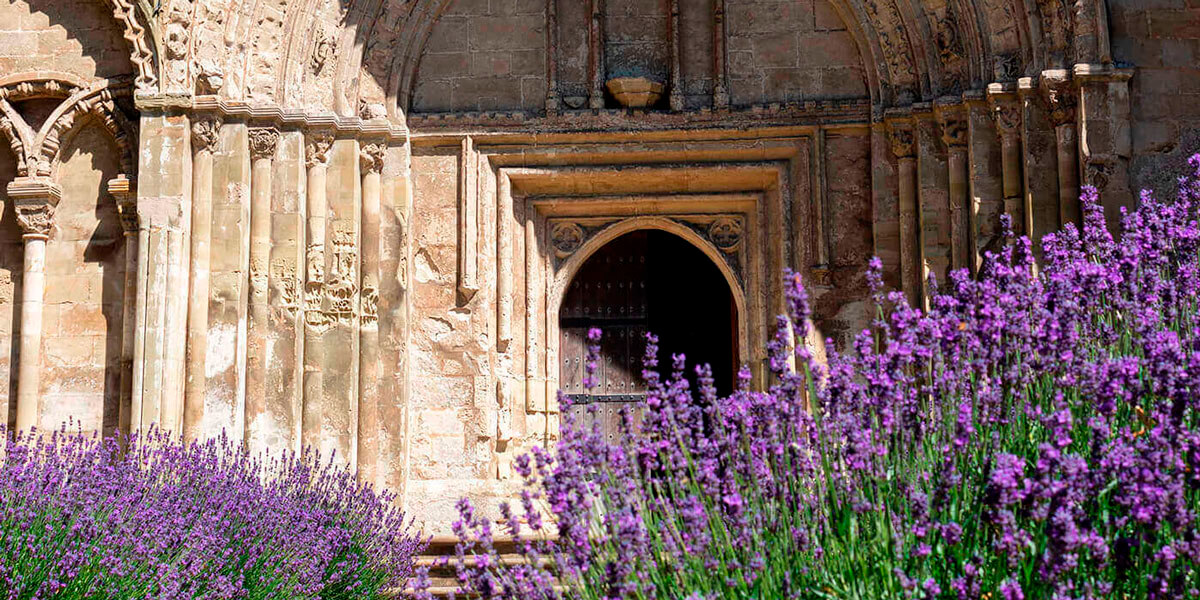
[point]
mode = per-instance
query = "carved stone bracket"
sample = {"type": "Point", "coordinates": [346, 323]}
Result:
{"type": "Point", "coordinates": [124, 191]}
{"type": "Point", "coordinates": [205, 132]}
{"type": "Point", "coordinates": [317, 145]}
{"type": "Point", "coordinates": [35, 199]}
{"type": "Point", "coordinates": [1006, 111]}
{"type": "Point", "coordinates": [263, 142]}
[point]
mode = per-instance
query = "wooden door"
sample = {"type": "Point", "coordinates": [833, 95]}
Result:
{"type": "Point", "coordinates": [609, 293]}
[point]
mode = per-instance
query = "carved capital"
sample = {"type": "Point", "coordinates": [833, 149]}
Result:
{"type": "Point", "coordinates": [316, 147]}
{"type": "Point", "coordinates": [1006, 111]}
{"type": "Point", "coordinates": [902, 137]}
{"type": "Point", "coordinates": [952, 120]}
{"type": "Point", "coordinates": [205, 131]}
{"type": "Point", "coordinates": [124, 191]}
{"type": "Point", "coordinates": [35, 199]}
{"type": "Point", "coordinates": [263, 142]}
{"type": "Point", "coordinates": [1059, 93]}
{"type": "Point", "coordinates": [370, 157]}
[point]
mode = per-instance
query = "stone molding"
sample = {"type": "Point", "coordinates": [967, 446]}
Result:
{"type": "Point", "coordinates": [35, 200]}
{"type": "Point", "coordinates": [272, 114]}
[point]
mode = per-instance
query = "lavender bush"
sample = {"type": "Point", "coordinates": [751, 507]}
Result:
{"type": "Point", "coordinates": [83, 518]}
{"type": "Point", "coordinates": [1035, 434]}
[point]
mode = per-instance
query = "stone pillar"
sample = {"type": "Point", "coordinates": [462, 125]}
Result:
{"type": "Point", "coordinates": [933, 201]}
{"type": "Point", "coordinates": [676, 93]}
{"type": "Point", "coordinates": [952, 119]}
{"type": "Point", "coordinates": [1105, 137]}
{"type": "Point", "coordinates": [1006, 109]}
{"type": "Point", "coordinates": [286, 283]}
{"type": "Point", "coordinates": [370, 372]}
{"type": "Point", "coordinates": [720, 58]}
{"type": "Point", "coordinates": [1056, 86]}
{"type": "Point", "coordinates": [316, 323]}
{"type": "Point", "coordinates": [259, 433]}
{"type": "Point", "coordinates": [596, 69]}
{"type": "Point", "coordinates": [340, 361]}
{"type": "Point", "coordinates": [902, 136]}
{"type": "Point", "coordinates": [205, 131]}
{"type": "Point", "coordinates": [986, 185]}
{"type": "Point", "coordinates": [35, 200]}
{"type": "Point", "coordinates": [1041, 206]}
{"type": "Point", "coordinates": [125, 193]}
{"type": "Point", "coordinates": [163, 210]}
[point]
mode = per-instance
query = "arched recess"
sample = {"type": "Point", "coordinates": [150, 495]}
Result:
{"type": "Point", "coordinates": [84, 294]}
{"type": "Point", "coordinates": [570, 268]}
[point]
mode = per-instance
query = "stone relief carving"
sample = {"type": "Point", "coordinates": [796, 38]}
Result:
{"type": "Point", "coordinates": [1006, 67]}
{"type": "Point", "coordinates": [370, 305]}
{"type": "Point", "coordinates": [263, 142]}
{"type": "Point", "coordinates": [1007, 114]}
{"type": "Point", "coordinates": [135, 33]}
{"type": "Point", "coordinates": [894, 40]}
{"type": "Point", "coordinates": [902, 137]}
{"type": "Point", "coordinates": [1057, 26]}
{"type": "Point", "coordinates": [323, 47]}
{"type": "Point", "coordinates": [342, 287]}
{"type": "Point", "coordinates": [370, 157]}
{"type": "Point", "coordinates": [566, 238]}
{"type": "Point", "coordinates": [287, 285]}
{"type": "Point", "coordinates": [35, 219]}
{"type": "Point", "coordinates": [316, 147]}
{"type": "Point", "coordinates": [947, 37]}
{"type": "Point", "coordinates": [726, 234]}
{"type": "Point", "coordinates": [953, 123]}
{"type": "Point", "coordinates": [9, 129]}
{"type": "Point", "coordinates": [205, 132]}
{"type": "Point", "coordinates": [1100, 171]}
{"type": "Point", "coordinates": [314, 285]}
{"type": "Point", "coordinates": [1061, 100]}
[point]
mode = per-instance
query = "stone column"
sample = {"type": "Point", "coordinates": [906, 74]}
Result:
{"type": "Point", "coordinates": [163, 209]}
{"type": "Point", "coordinates": [205, 132]}
{"type": "Point", "coordinates": [1006, 109]}
{"type": "Point", "coordinates": [35, 200]}
{"type": "Point", "coordinates": [953, 122]}
{"type": "Point", "coordinates": [259, 433]}
{"type": "Point", "coordinates": [596, 70]}
{"type": "Point", "coordinates": [1059, 93]}
{"type": "Point", "coordinates": [902, 136]}
{"type": "Point", "coordinates": [370, 370]}
{"type": "Point", "coordinates": [125, 193]}
{"type": "Point", "coordinates": [316, 322]}
{"type": "Point", "coordinates": [676, 93]}
{"type": "Point", "coordinates": [987, 196]}
{"type": "Point", "coordinates": [720, 81]}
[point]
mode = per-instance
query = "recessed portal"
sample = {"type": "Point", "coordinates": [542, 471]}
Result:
{"type": "Point", "coordinates": [645, 281]}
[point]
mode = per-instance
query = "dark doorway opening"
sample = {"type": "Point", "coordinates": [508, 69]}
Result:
{"type": "Point", "coordinates": [645, 281]}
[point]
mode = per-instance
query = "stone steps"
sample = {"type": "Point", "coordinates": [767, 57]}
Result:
{"type": "Point", "coordinates": [439, 559]}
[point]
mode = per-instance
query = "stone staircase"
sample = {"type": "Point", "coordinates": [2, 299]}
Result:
{"type": "Point", "coordinates": [439, 559]}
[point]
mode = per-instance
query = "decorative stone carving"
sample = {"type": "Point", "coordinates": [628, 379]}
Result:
{"type": "Point", "coordinates": [287, 285]}
{"type": "Point", "coordinates": [316, 147]}
{"type": "Point", "coordinates": [947, 37]}
{"type": "Point", "coordinates": [323, 48]}
{"type": "Point", "coordinates": [567, 238]}
{"type": "Point", "coordinates": [342, 287]}
{"type": "Point", "coordinates": [726, 234]}
{"type": "Point", "coordinates": [1100, 171]}
{"type": "Point", "coordinates": [953, 123]}
{"type": "Point", "coordinates": [894, 40]}
{"type": "Point", "coordinates": [123, 190]}
{"type": "Point", "coordinates": [1006, 67]}
{"type": "Point", "coordinates": [1060, 98]}
{"type": "Point", "coordinates": [370, 157]}
{"type": "Point", "coordinates": [263, 142]}
{"type": "Point", "coordinates": [36, 219]}
{"type": "Point", "coordinates": [902, 137]}
{"type": "Point", "coordinates": [1057, 27]}
{"type": "Point", "coordinates": [205, 132]}
{"type": "Point", "coordinates": [1006, 110]}
{"type": "Point", "coordinates": [370, 305]}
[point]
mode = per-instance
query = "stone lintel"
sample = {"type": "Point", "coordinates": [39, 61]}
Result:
{"type": "Point", "coordinates": [342, 126]}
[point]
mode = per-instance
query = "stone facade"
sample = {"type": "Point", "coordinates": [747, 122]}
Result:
{"type": "Point", "coordinates": [350, 224]}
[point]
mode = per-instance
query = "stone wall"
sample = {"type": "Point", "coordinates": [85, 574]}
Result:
{"type": "Point", "coordinates": [1161, 38]}
{"type": "Point", "coordinates": [76, 37]}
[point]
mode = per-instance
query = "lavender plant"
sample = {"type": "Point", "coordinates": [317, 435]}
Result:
{"type": "Point", "coordinates": [1034, 434]}
{"type": "Point", "coordinates": [86, 518]}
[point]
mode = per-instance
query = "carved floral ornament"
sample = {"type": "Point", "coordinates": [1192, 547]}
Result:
{"type": "Point", "coordinates": [566, 238]}
{"type": "Point", "coordinates": [263, 142]}
{"type": "Point", "coordinates": [902, 137]}
{"type": "Point", "coordinates": [726, 234]}
{"type": "Point", "coordinates": [205, 131]}
{"type": "Point", "coordinates": [317, 145]}
{"type": "Point", "coordinates": [953, 123]}
{"type": "Point", "coordinates": [370, 157]}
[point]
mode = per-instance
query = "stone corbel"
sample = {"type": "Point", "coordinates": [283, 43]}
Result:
{"type": "Point", "coordinates": [124, 192]}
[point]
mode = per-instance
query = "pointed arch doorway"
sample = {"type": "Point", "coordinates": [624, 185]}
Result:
{"type": "Point", "coordinates": [646, 280]}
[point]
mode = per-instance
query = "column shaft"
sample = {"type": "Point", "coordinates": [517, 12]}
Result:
{"type": "Point", "coordinates": [260, 431]}
{"type": "Point", "coordinates": [370, 370]}
{"type": "Point", "coordinates": [204, 138]}
{"type": "Point", "coordinates": [35, 200]}
{"type": "Point", "coordinates": [315, 321]}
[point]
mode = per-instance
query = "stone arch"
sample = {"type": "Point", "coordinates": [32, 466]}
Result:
{"type": "Point", "coordinates": [570, 268]}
